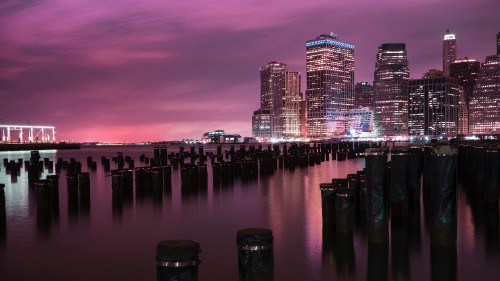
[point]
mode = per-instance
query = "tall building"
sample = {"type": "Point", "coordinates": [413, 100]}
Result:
{"type": "Point", "coordinates": [498, 44]}
{"type": "Point", "coordinates": [272, 92]}
{"type": "Point", "coordinates": [261, 124]}
{"type": "Point", "coordinates": [433, 105]}
{"type": "Point", "coordinates": [449, 51]}
{"type": "Point", "coordinates": [330, 85]}
{"type": "Point", "coordinates": [485, 101]}
{"type": "Point", "coordinates": [363, 95]}
{"type": "Point", "coordinates": [280, 94]}
{"type": "Point", "coordinates": [390, 87]}
{"type": "Point", "coordinates": [291, 106]}
{"type": "Point", "coordinates": [465, 71]}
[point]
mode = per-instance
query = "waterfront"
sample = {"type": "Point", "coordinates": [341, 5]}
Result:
{"type": "Point", "coordinates": [105, 243]}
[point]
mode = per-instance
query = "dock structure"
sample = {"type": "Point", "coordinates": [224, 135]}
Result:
{"type": "Point", "coordinates": [35, 133]}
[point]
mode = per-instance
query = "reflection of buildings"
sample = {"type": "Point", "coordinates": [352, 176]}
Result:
{"type": "Point", "coordinates": [449, 51]}
{"type": "Point", "coordinates": [433, 105]}
{"type": "Point", "coordinates": [280, 94]}
{"type": "Point", "coordinates": [465, 71]}
{"type": "Point", "coordinates": [261, 124]}
{"type": "Point", "coordinates": [391, 89]}
{"type": "Point", "coordinates": [330, 85]}
{"type": "Point", "coordinates": [485, 102]}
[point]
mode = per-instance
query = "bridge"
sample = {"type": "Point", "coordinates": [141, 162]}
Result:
{"type": "Point", "coordinates": [16, 133]}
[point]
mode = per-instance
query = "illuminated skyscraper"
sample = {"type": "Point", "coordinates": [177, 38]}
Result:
{"type": "Point", "coordinates": [465, 71]}
{"type": "Point", "coordinates": [363, 95]}
{"type": "Point", "coordinates": [330, 85]}
{"type": "Point", "coordinates": [433, 105]}
{"type": "Point", "coordinates": [449, 51]}
{"type": "Point", "coordinates": [280, 93]}
{"type": "Point", "coordinates": [291, 105]}
{"type": "Point", "coordinates": [272, 91]}
{"type": "Point", "coordinates": [391, 89]}
{"type": "Point", "coordinates": [485, 102]}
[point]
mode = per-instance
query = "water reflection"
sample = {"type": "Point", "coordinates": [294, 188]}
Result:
{"type": "Point", "coordinates": [43, 221]}
{"type": "Point", "coordinates": [444, 263]}
{"type": "Point", "coordinates": [400, 248]}
{"type": "Point", "coordinates": [378, 262]}
{"type": "Point", "coordinates": [492, 229]}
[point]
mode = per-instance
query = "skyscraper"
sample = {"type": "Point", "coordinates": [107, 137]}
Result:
{"type": "Point", "coordinates": [330, 85]}
{"type": "Point", "coordinates": [272, 91]}
{"type": "Point", "coordinates": [291, 104]}
{"type": "Point", "coordinates": [498, 44]}
{"type": "Point", "coordinates": [465, 71]}
{"type": "Point", "coordinates": [449, 51]}
{"type": "Point", "coordinates": [363, 95]}
{"type": "Point", "coordinates": [280, 94]}
{"type": "Point", "coordinates": [485, 102]}
{"type": "Point", "coordinates": [433, 105]}
{"type": "Point", "coordinates": [391, 89]}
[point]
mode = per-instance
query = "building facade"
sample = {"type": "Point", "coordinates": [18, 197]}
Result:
{"type": "Point", "coordinates": [261, 124]}
{"type": "Point", "coordinates": [485, 101]}
{"type": "Point", "coordinates": [390, 87]}
{"type": "Point", "coordinates": [280, 93]}
{"type": "Point", "coordinates": [363, 95]}
{"type": "Point", "coordinates": [465, 71]}
{"type": "Point", "coordinates": [449, 51]}
{"type": "Point", "coordinates": [498, 44]}
{"type": "Point", "coordinates": [433, 106]}
{"type": "Point", "coordinates": [330, 85]}
{"type": "Point", "coordinates": [291, 103]}
{"type": "Point", "coordinates": [359, 121]}
{"type": "Point", "coordinates": [272, 92]}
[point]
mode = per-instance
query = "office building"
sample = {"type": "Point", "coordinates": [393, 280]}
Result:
{"type": "Point", "coordinates": [261, 124]}
{"type": "Point", "coordinates": [449, 51]}
{"type": "Point", "coordinates": [330, 85]}
{"type": "Point", "coordinates": [484, 107]}
{"type": "Point", "coordinates": [465, 71]}
{"type": "Point", "coordinates": [390, 87]}
{"type": "Point", "coordinates": [433, 105]}
{"type": "Point", "coordinates": [363, 95]}
{"type": "Point", "coordinates": [272, 91]}
{"type": "Point", "coordinates": [359, 121]}
{"type": "Point", "coordinates": [280, 93]}
{"type": "Point", "coordinates": [291, 106]}
{"type": "Point", "coordinates": [498, 44]}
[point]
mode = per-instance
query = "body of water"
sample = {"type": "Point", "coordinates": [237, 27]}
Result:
{"type": "Point", "coordinates": [100, 242]}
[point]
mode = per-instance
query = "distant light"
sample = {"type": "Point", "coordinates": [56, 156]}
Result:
{"type": "Point", "coordinates": [449, 37]}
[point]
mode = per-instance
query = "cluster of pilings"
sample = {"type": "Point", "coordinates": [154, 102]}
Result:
{"type": "Point", "coordinates": [179, 259]}
{"type": "Point", "coordinates": [386, 196]}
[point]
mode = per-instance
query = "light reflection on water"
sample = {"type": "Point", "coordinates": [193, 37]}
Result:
{"type": "Point", "coordinates": [111, 242]}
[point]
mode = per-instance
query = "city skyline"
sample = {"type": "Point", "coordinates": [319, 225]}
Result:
{"type": "Point", "coordinates": [158, 71]}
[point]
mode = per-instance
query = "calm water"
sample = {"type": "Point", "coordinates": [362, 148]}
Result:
{"type": "Point", "coordinates": [99, 244]}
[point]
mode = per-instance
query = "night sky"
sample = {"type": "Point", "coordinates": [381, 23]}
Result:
{"type": "Point", "coordinates": [103, 70]}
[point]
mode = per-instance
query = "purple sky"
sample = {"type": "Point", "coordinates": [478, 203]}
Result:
{"type": "Point", "coordinates": [121, 70]}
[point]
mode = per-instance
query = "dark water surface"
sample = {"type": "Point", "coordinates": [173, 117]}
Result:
{"type": "Point", "coordinates": [99, 243]}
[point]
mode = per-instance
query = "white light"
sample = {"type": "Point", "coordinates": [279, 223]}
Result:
{"type": "Point", "coordinates": [449, 37]}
